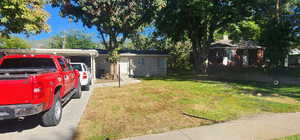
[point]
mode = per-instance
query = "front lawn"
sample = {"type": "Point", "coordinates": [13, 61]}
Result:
{"type": "Point", "coordinates": [164, 104]}
{"type": "Point", "coordinates": [295, 137]}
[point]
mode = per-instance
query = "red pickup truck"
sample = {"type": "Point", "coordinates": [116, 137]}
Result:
{"type": "Point", "coordinates": [36, 84]}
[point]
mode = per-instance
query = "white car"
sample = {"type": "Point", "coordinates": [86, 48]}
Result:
{"type": "Point", "coordinates": [85, 76]}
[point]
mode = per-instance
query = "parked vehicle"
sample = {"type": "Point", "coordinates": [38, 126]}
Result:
{"type": "Point", "coordinates": [85, 75]}
{"type": "Point", "coordinates": [36, 84]}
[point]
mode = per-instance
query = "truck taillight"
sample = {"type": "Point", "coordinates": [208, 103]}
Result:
{"type": "Point", "coordinates": [84, 75]}
{"type": "Point", "coordinates": [37, 90]}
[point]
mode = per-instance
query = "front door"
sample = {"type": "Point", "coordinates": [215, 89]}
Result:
{"type": "Point", "coordinates": [124, 67]}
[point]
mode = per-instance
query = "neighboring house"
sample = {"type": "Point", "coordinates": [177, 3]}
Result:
{"type": "Point", "coordinates": [294, 57]}
{"type": "Point", "coordinates": [135, 63]}
{"type": "Point", "coordinates": [225, 53]}
{"type": "Point", "coordinates": [132, 63]}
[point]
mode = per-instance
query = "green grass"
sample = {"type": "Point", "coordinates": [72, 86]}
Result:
{"type": "Point", "coordinates": [229, 100]}
{"type": "Point", "coordinates": [287, 72]}
{"type": "Point", "coordinates": [295, 137]}
{"type": "Point", "coordinates": [161, 104]}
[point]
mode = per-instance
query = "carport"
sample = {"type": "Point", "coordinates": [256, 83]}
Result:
{"type": "Point", "coordinates": [76, 55]}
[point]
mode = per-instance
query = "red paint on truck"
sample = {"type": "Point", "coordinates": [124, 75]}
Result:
{"type": "Point", "coordinates": [21, 84]}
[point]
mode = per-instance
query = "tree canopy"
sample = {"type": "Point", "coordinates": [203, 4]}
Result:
{"type": "Point", "coordinates": [22, 16]}
{"type": "Point", "coordinates": [115, 20]}
{"type": "Point", "coordinates": [72, 39]}
{"type": "Point", "coordinates": [13, 43]}
{"type": "Point", "coordinates": [280, 28]}
{"type": "Point", "coordinates": [246, 30]}
{"type": "Point", "coordinates": [199, 20]}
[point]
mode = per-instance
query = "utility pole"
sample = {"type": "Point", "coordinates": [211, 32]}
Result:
{"type": "Point", "coordinates": [64, 40]}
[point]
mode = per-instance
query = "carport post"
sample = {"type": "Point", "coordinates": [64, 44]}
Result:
{"type": "Point", "coordinates": [93, 68]}
{"type": "Point", "coordinates": [119, 71]}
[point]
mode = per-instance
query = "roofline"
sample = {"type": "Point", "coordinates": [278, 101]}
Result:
{"type": "Point", "coordinates": [52, 51]}
{"type": "Point", "coordinates": [32, 56]}
{"type": "Point", "coordinates": [131, 54]}
{"type": "Point", "coordinates": [257, 47]}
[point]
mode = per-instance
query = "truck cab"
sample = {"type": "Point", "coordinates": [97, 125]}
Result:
{"type": "Point", "coordinates": [34, 84]}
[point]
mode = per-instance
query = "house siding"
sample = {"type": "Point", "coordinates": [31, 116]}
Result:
{"type": "Point", "coordinates": [148, 66]}
{"type": "Point", "coordinates": [139, 66]}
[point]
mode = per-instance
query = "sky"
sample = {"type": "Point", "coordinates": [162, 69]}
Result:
{"type": "Point", "coordinates": [59, 24]}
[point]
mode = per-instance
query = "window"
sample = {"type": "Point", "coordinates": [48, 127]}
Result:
{"type": "Point", "coordinates": [141, 61]}
{"type": "Point", "coordinates": [69, 66]}
{"type": "Point", "coordinates": [77, 66]}
{"type": "Point", "coordinates": [28, 63]}
{"type": "Point", "coordinates": [62, 63]}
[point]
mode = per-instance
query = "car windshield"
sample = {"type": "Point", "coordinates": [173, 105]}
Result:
{"type": "Point", "coordinates": [77, 66]}
{"type": "Point", "coordinates": [27, 63]}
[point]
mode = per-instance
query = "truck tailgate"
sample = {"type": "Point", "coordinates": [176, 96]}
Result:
{"type": "Point", "coordinates": [18, 91]}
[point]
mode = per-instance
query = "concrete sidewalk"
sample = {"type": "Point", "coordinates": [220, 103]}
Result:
{"type": "Point", "coordinates": [262, 127]}
{"type": "Point", "coordinates": [115, 84]}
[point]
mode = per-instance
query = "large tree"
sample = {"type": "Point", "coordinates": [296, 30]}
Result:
{"type": "Point", "coordinates": [115, 20]}
{"type": "Point", "coordinates": [22, 16]}
{"type": "Point", "coordinates": [280, 21]}
{"type": "Point", "coordinates": [198, 20]}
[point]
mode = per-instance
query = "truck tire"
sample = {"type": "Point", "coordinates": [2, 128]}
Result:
{"type": "Point", "coordinates": [53, 116]}
{"type": "Point", "coordinates": [77, 94]}
{"type": "Point", "coordinates": [86, 88]}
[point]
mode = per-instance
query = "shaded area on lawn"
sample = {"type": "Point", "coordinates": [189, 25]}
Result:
{"type": "Point", "coordinates": [179, 101]}
{"type": "Point", "coordinates": [244, 87]}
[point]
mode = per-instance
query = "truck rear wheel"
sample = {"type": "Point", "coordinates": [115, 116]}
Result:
{"type": "Point", "coordinates": [86, 88]}
{"type": "Point", "coordinates": [78, 91]}
{"type": "Point", "coordinates": [52, 117]}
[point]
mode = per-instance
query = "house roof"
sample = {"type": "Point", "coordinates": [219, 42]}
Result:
{"type": "Point", "coordinates": [71, 52]}
{"type": "Point", "coordinates": [75, 52]}
{"type": "Point", "coordinates": [226, 43]}
{"type": "Point", "coordinates": [136, 52]}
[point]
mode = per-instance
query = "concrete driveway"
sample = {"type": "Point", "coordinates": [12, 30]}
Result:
{"type": "Point", "coordinates": [30, 128]}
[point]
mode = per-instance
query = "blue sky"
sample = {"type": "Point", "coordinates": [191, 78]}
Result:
{"type": "Point", "coordinates": [58, 24]}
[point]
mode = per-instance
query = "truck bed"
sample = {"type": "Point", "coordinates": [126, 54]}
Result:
{"type": "Point", "coordinates": [7, 74]}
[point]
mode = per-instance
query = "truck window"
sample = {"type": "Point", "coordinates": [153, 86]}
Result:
{"type": "Point", "coordinates": [69, 66]}
{"type": "Point", "coordinates": [27, 63]}
{"type": "Point", "coordinates": [77, 66]}
{"type": "Point", "coordinates": [62, 64]}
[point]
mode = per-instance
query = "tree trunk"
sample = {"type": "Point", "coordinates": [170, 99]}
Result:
{"type": "Point", "coordinates": [114, 71]}
{"type": "Point", "coordinates": [199, 55]}
{"type": "Point", "coordinates": [195, 55]}
{"type": "Point", "coordinates": [112, 47]}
